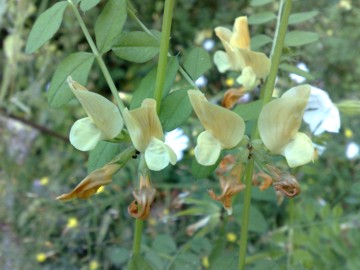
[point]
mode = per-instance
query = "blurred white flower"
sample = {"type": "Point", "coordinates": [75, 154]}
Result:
{"type": "Point", "coordinates": [201, 81]}
{"type": "Point", "coordinates": [352, 150]}
{"type": "Point", "coordinates": [209, 44]}
{"type": "Point", "coordinates": [297, 78]}
{"type": "Point", "coordinates": [321, 114]}
{"type": "Point", "coordinates": [178, 141]}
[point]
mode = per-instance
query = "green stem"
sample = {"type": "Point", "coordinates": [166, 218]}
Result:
{"type": "Point", "coordinates": [98, 57]}
{"type": "Point", "coordinates": [266, 94]}
{"type": "Point", "coordinates": [145, 29]}
{"type": "Point", "coordinates": [164, 48]}
{"type": "Point", "coordinates": [139, 224]}
{"type": "Point", "coordinates": [290, 247]}
{"type": "Point", "coordinates": [245, 214]}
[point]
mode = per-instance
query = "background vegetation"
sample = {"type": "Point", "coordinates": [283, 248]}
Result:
{"type": "Point", "coordinates": [317, 230]}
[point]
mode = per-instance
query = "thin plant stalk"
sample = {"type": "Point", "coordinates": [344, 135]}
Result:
{"type": "Point", "coordinates": [139, 224]}
{"type": "Point", "coordinates": [98, 57]}
{"type": "Point", "coordinates": [266, 94]}
{"type": "Point", "coordinates": [164, 48]}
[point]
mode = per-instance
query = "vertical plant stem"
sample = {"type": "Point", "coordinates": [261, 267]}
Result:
{"type": "Point", "coordinates": [164, 48]}
{"type": "Point", "coordinates": [266, 94]}
{"type": "Point", "coordinates": [139, 224]}
{"type": "Point", "coordinates": [245, 214]}
{"type": "Point", "coordinates": [290, 245]}
{"type": "Point", "coordinates": [98, 57]}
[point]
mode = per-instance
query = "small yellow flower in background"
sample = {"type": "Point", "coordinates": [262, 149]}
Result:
{"type": "Point", "coordinates": [41, 257]}
{"type": "Point", "coordinates": [348, 133]}
{"type": "Point", "coordinates": [224, 129]}
{"type": "Point", "coordinates": [93, 265]}
{"type": "Point", "coordinates": [205, 262]}
{"type": "Point", "coordinates": [44, 181]}
{"type": "Point", "coordinates": [72, 223]}
{"type": "Point", "coordinates": [147, 135]}
{"type": "Point", "coordinates": [238, 55]}
{"type": "Point", "coordinates": [101, 189]}
{"type": "Point", "coordinates": [104, 120]}
{"type": "Point", "coordinates": [231, 237]}
{"type": "Point", "coordinates": [229, 82]}
{"type": "Point", "coordinates": [279, 122]}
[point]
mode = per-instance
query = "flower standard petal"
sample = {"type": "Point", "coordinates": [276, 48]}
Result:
{"type": "Point", "coordinates": [208, 148]}
{"type": "Point", "coordinates": [241, 37]}
{"type": "Point", "coordinates": [100, 110]}
{"type": "Point", "coordinates": [84, 134]}
{"type": "Point", "coordinates": [299, 150]}
{"type": "Point", "coordinates": [226, 126]}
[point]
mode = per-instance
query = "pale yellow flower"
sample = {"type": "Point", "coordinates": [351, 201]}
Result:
{"type": "Point", "coordinates": [147, 135]}
{"type": "Point", "coordinates": [279, 123]}
{"type": "Point", "coordinates": [224, 129]}
{"type": "Point", "coordinates": [238, 55]}
{"type": "Point", "coordinates": [104, 121]}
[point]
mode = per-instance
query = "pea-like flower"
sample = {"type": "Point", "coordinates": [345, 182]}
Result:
{"type": "Point", "coordinates": [147, 135]}
{"type": "Point", "coordinates": [224, 129]}
{"type": "Point", "coordinates": [238, 55]}
{"type": "Point", "coordinates": [90, 185]}
{"type": "Point", "coordinates": [104, 121]}
{"type": "Point", "coordinates": [279, 123]}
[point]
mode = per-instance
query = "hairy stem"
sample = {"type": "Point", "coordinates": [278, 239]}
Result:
{"type": "Point", "coordinates": [98, 57]}
{"type": "Point", "coordinates": [164, 48]}
{"type": "Point", "coordinates": [266, 94]}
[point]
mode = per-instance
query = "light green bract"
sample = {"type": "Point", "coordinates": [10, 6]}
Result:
{"type": "Point", "coordinates": [147, 135]}
{"type": "Point", "coordinates": [224, 129]}
{"type": "Point", "coordinates": [104, 121]}
{"type": "Point", "coordinates": [279, 123]}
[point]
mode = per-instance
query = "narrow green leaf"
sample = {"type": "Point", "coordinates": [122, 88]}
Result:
{"type": "Point", "coordinates": [103, 153]}
{"type": "Point", "coordinates": [109, 24]}
{"type": "Point", "coordinates": [175, 109]}
{"type": "Point", "coordinates": [45, 26]}
{"type": "Point", "coordinates": [249, 111]}
{"type": "Point", "coordinates": [300, 38]}
{"type": "Point", "coordinates": [260, 18]}
{"type": "Point", "coordinates": [146, 88]}
{"type": "Point", "coordinates": [77, 65]}
{"type": "Point", "coordinates": [256, 3]}
{"type": "Point", "coordinates": [136, 46]}
{"type": "Point", "coordinates": [259, 41]}
{"type": "Point", "coordinates": [197, 62]}
{"type": "Point", "coordinates": [257, 221]}
{"type": "Point", "coordinates": [296, 70]}
{"type": "Point", "coordinates": [302, 16]}
{"type": "Point", "coordinates": [200, 171]}
{"type": "Point", "coordinates": [86, 5]}
{"type": "Point", "coordinates": [164, 243]}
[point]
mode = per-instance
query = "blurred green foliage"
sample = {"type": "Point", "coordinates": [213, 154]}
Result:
{"type": "Point", "coordinates": [317, 230]}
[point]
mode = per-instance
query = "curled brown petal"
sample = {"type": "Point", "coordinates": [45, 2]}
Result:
{"type": "Point", "coordinates": [288, 186]}
{"type": "Point", "coordinates": [231, 97]}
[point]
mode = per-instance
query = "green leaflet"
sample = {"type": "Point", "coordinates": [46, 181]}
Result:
{"type": "Point", "coordinates": [249, 111]}
{"type": "Point", "coordinates": [138, 262]}
{"type": "Point", "coordinates": [86, 5]}
{"type": "Point", "coordinates": [146, 88]}
{"type": "Point", "coordinates": [45, 26]}
{"type": "Point", "coordinates": [260, 18]}
{"type": "Point", "coordinates": [256, 3]}
{"type": "Point", "coordinates": [199, 171]}
{"type": "Point", "coordinates": [103, 153]}
{"type": "Point", "coordinates": [175, 109]}
{"type": "Point", "coordinates": [302, 16]}
{"type": "Point", "coordinates": [296, 70]}
{"type": "Point", "coordinates": [76, 65]}
{"type": "Point", "coordinates": [197, 62]}
{"type": "Point", "coordinates": [300, 38]}
{"type": "Point", "coordinates": [259, 41]}
{"type": "Point", "coordinates": [137, 46]}
{"type": "Point", "coordinates": [109, 24]}
{"type": "Point", "coordinates": [257, 221]}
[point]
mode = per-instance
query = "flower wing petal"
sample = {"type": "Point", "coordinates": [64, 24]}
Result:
{"type": "Point", "coordinates": [84, 134]}
{"type": "Point", "coordinates": [299, 150]}
{"type": "Point", "coordinates": [207, 150]}
{"type": "Point", "coordinates": [158, 155]}
{"type": "Point", "coordinates": [221, 61]}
